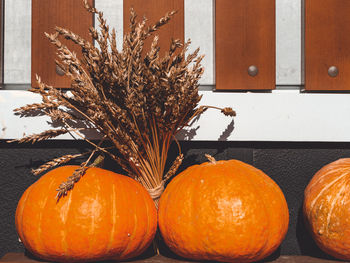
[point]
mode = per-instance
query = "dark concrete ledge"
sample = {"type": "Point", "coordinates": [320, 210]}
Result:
{"type": "Point", "coordinates": [21, 258]}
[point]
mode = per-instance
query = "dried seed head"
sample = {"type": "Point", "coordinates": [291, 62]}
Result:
{"type": "Point", "coordinates": [228, 112]}
{"type": "Point", "coordinates": [134, 97]}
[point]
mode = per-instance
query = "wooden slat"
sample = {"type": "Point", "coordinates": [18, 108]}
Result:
{"type": "Point", "coordinates": [153, 10]}
{"type": "Point", "coordinates": [69, 14]}
{"type": "Point", "coordinates": [245, 36]}
{"type": "Point", "coordinates": [327, 43]}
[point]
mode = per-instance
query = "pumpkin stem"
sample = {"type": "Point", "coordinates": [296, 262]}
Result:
{"type": "Point", "coordinates": [210, 158]}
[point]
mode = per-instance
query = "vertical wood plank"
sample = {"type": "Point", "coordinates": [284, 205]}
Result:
{"type": "Point", "coordinates": [245, 36]}
{"type": "Point", "coordinates": [327, 44]}
{"type": "Point", "coordinates": [69, 14]}
{"type": "Point", "coordinates": [154, 10]}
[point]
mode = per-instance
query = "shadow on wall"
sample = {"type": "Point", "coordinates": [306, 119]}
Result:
{"type": "Point", "coordinates": [188, 133]}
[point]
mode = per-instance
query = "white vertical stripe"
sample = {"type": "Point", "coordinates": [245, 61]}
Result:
{"type": "Point", "coordinates": [199, 27]}
{"type": "Point", "coordinates": [113, 13]}
{"type": "Point", "coordinates": [288, 42]}
{"type": "Point", "coordinates": [17, 47]}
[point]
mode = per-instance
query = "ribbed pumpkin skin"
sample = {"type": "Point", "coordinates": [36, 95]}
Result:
{"type": "Point", "coordinates": [106, 216]}
{"type": "Point", "coordinates": [228, 211]}
{"type": "Point", "coordinates": [327, 208]}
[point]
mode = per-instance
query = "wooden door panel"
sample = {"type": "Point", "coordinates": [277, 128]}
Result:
{"type": "Point", "coordinates": [245, 44]}
{"type": "Point", "coordinates": [153, 10]}
{"type": "Point", "coordinates": [46, 14]}
{"type": "Point", "coordinates": [327, 45]}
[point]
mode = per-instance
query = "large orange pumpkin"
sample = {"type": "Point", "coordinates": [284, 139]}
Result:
{"type": "Point", "coordinates": [327, 208]}
{"type": "Point", "coordinates": [223, 211]}
{"type": "Point", "coordinates": [106, 216]}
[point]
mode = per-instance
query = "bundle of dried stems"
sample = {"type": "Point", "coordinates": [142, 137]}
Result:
{"type": "Point", "coordinates": [136, 99]}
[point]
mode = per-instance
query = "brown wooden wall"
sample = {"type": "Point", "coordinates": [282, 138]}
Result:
{"type": "Point", "coordinates": [153, 10]}
{"type": "Point", "coordinates": [327, 45]}
{"type": "Point", "coordinates": [245, 39]}
{"type": "Point", "coordinates": [69, 14]}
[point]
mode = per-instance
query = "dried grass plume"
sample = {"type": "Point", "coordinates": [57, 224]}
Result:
{"type": "Point", "coordinates": [135, 98]}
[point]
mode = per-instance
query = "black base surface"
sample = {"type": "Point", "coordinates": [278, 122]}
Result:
{"type": "Point", "coordinates": [291, 165]}
{"type": "Point", "coordinates": [21, 258]}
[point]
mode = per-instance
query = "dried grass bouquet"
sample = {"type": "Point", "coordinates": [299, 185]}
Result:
{"type": "Point", "coordinates": [134, 98]}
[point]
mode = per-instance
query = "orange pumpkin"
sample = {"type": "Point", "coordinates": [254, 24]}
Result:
{"type": "Point", "coordinates": [327, 208]}
{"type": "Point", "coordinates": [106, 216]}
{"type": "Point", "coordinates": [223, 211]}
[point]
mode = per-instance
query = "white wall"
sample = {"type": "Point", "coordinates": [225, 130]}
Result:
{"type": "Point", "coordinates": [282, 115]}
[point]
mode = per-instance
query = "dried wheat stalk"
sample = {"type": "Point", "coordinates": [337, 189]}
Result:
{"type": "Point", "coordinates": [135, 98]}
